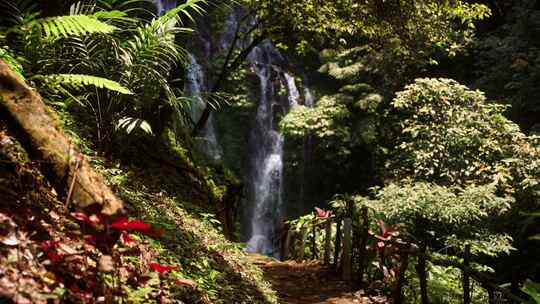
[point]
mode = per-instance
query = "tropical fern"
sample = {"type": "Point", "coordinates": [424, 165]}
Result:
{"type": "Point", "coordinates": [18, 12]}
{"type": "Point", "coordinates": [130, 123]}
{"type": "Point", "coordinates": [79, 81]}
{"type": "Point", "coordinates": [11, 61]}
{"type": "Point", "coordinates": [72, 25]}
{"type": "Point", "coordinates": [183, 9]}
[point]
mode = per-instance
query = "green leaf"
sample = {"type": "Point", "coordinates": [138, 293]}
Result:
{"type": "Point", "coordinates": [77, 80]}
{"type": "Point", "coordinates": [10, 60]}
{"type": "Point", "coordinates": [130, 123]}
{"type": "Point", "coordinates": [532, 289]}
{"type": "Point", "coordinates": [72, 25]}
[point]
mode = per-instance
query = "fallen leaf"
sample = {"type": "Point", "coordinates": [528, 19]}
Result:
{"type": "Point", "coordinates": [10, 240]}
{"type": "Point", "coordinates": [106, 263]}
{"type": "Point", "coordinates": [122, 223]}
{"type": "Point", "coordinates": [127, 240]}
{"type": "Point", "coordinates": [162, 268]}
{"type": "Point", "coordinates": [185, 282]}
{"type": "Point", "coordinates": [67, 248]}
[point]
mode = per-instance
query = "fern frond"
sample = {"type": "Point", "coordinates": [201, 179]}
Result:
{"type": "Point", "coordinates": [184, 9]}
{"type": "Point", "coordinates": [11, 61]}
{"type": "Point", "coordinates": [130, 123]}
{"type": "Point", "coordinates": [78, 81]}
{"type": "Point", "coordinates": [72, 25]}
{"type": "Point", "coordinates": [153, 46]}
{"type": "Point", "coordinates": [18, 12]}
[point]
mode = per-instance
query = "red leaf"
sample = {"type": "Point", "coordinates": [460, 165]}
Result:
{"type": "Point", "coordinates": [323, 213]}
{"type": "Point", "coordinates": [162, 268]}
{"type": "Point", "coordinates": [122, 223]}
{"type": "Point", "coordinates": [47, 245]}
{"type": "Point", "coordinates": [54, 257]}
{"type": "Point", "coordinates": [81, 217]}
{"type": "Point", "coordinates": [127, 240]}
{"type": "Point", "coordinates": [92, 220]}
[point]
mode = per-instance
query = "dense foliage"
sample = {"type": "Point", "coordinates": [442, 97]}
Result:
{"type": "Point", "coordinates": [441, 164]}
{"type": "Point", "coordinates": [118, 47]}
{"type": "Point", "coordinates": [447, 134]}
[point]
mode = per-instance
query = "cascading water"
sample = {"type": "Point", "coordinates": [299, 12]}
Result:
{"type": "Point", "coordinates": [264, 179]}
{"type": "Point", "coordinates": [309, 99]}
{"type": "Point", "coordinates": [266, 159]}
{"type": "Point", "coordinates": [194, 85]}
{"type": "Point", "coordinates": [294, 95]}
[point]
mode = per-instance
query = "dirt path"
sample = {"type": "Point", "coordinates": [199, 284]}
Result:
{"type": "Point", "coordinates": [308, 283]}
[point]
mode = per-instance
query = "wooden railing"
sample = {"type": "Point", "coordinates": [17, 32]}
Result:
{"type": "Point", "coordinates": [341, 244]}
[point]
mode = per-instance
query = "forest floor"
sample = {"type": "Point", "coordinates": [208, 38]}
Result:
{"type": "Point", "coordinates": [309, 283]}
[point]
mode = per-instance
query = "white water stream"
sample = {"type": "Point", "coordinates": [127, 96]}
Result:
{"type": "Point", "coordinates": [266, 159]}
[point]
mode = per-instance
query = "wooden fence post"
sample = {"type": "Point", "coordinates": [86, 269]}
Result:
{"type": "Point", "coordinates": [287, 245]}
{"type": "Point", "coordinates": [347, 242]}
{"type": "Point", "coordinates": [422, 273]}
{"type": "Point", "coordinates": [303, 236]}
{"type": "Point", "coordinates": [398, 290]}
{"type": "Point", "coordinates": [337, 243]}
{"type": "Point", "coordinates": [327, 241]}
{"type": "Point", "coordinates": [363, 244]}
{"type": "Point", "coordinates": [466, 277]}
{"type": "Point", "coordinates": [491, 295]}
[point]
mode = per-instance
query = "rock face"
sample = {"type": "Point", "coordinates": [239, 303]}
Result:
{"type": "Point", "coordinates": [67, 169]}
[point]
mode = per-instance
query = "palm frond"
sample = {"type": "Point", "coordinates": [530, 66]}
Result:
{"type": "Point", "coordinates": [78, 81]}
{"type": "Point", "coordinates": [216, 100]}
{"type": "Point", "coordinates": [185, 10]}
{"type": "Point", "coordinates": [72, 25]}
{"type": "Point", "coordinates": [131, 7]}
{"type": "Point", "coordinates": [18, 12]}
{"type": "Point", "coordinates": [130, 123]}
{"type": "Point", "coordinates": [153, 46]}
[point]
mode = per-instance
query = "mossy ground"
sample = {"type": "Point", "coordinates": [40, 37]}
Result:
{"type": "Point", "coordinates": [175, 195]}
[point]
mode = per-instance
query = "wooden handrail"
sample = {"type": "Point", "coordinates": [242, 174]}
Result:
{"type": "Point", "coordinates": [406, 249]}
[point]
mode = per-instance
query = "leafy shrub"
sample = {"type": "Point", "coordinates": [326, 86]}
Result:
{"type": "Point", "coordinates": [445, 133]}
{"type": "Point", "coordinates": [444, 217]}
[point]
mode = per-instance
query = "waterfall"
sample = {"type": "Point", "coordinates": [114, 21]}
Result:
{"type": "Point", "coordinates": [194, 85]}
{"type": "Point", "coordinates": [294, 95]}
{"type": "Point", "coordinates": [309, 100]}
{"type": "Point", "coordinates": [265, 179]}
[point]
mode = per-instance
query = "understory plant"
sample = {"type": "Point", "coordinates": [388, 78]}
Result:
{"type": "Point", "coordinates": [112, 61]}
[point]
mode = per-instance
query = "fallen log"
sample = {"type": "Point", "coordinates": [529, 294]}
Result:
{"type": "Point", "coordinates": [65, 167]}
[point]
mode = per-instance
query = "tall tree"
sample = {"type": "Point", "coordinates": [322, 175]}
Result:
{"type": "Point", "coordinates": [411, 29]}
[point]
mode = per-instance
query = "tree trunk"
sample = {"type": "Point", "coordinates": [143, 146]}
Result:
{"type": "Point", "coordinates": [225, 70]}
{"type": "Point", "coordinates": [363, 243]}
{"type": "Point", "coordinates": [64, 166]}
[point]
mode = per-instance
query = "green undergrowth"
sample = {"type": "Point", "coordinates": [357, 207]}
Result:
{"type": "Point", "coordinates": [220, 268]}
{"type": "Point", "coordinates": [162, 184]}
{"type": "Point", "coordinates": [46, 253]}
